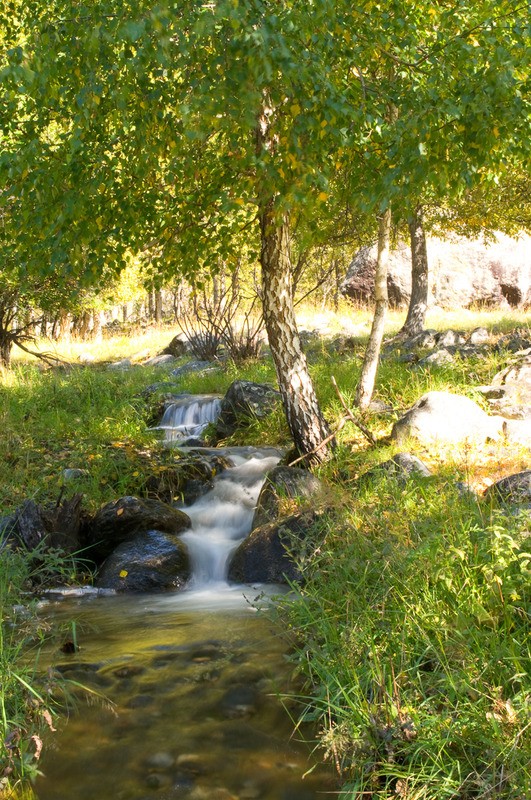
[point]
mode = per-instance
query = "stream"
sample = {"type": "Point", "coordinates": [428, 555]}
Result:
{"type": "Point", "coordinates": [187, 685]}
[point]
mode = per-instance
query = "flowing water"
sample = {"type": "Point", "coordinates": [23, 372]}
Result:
{"type": "Point", "coordinates": [194, 679]}
{"type": "Point", "coordinates": [188, 416]}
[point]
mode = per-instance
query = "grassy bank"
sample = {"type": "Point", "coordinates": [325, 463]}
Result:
{"type": "Point", "coordinates": [412, 631]}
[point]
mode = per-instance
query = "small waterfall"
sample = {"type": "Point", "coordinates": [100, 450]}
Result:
{"type": "Point", "coordinates": [223, 516]}
{"type": "Point", "coordinates": [188, 417]}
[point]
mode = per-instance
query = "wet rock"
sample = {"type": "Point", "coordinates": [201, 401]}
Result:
{"type": "Point", "coordinates": [283, 484]}
{"type": "Point", "coordinates": [158, 780]}
{"type": "Point", "coordinates": [239, 701]}
{"type": "Point", "coordinates": [121, 520]}
{"type": "Point", "coordinates": [245, 400]}
{"type": "Point", "coordinates": [160, 761]}
{"type": "Point", "coordinates": [513, 489]}
{"type": "Point", "coordinates": [446, 418]}
{"type": "Point", "coordinates": [151, 561]}
{"type": "Point", "coordinates": [186, 480]}
{"type": "Point", "coordinates": [270, 553]}
{"type": "Point", "coordinates": [140, 701]}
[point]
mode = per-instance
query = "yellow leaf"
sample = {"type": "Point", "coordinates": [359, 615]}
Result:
{"type": "Point", "coordinates": [496, 132]}
{"type": "Point", "coordinates": [295, 109]}
{"type": "Point", "coordinates": [324, 123]}
{"type": "Point", "coordinates": [322, 196]}
{"type": "Point", "coordinates": [135, 474]}
{"type": "Point", "coordinates": [119, 512]}
{"type": "Point", "coordinates": [240, 201]}
{"type": "Point", "coordinates": [124, 573]}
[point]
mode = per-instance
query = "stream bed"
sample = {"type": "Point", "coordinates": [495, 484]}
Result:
{"type": "Point", "coordinates": [195, 712]}
{"type": "Point", "coordinates": [188, 684]}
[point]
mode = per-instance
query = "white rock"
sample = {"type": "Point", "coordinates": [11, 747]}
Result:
{"type": "Point", "coordinates": [447, 418]}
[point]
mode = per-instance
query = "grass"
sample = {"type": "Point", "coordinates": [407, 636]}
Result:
{"type": "Point", "coordinates": [412, 630]}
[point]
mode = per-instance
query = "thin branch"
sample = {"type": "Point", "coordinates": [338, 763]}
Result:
{"type": "Point", "coordinates": [350, 416]}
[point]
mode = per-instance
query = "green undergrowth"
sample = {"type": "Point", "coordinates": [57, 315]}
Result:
{"type": "Point", "coordinates": [412, 629]}
{"type": "Point", "coordinates": [413, 634]}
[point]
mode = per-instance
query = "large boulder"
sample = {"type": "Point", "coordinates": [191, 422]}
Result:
{"type": "Point", "coordinates": [151, 561]}
{"type": "Point", "coordinates": [272, 552]}
{"type": "Point", "coordinates": [245, 400]}
{"type": "Point", "coordinates": [446, 418]}
{"type": "Point", "coordinates": [123, 519]}
{"type": "Point", "coordinates": [281, 484]}
{"type": "Point", "coordinates": [463, 272]}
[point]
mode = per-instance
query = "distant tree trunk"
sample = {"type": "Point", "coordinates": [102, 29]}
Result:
{"type": "Point", "coordinates": [83, 325]}
{"type": "Point", "coordinates": [151, 305]}
{"type": "Point", "coordinates": [158, 306]}
{"type": "Point", "coordinates": [372, 351]}
{"type": "Point", "coordinates": [418, 304]}
{"type": "Point", "coordinates": [96, 325]}
{"type": "Point", "coordinates": [307, 425]}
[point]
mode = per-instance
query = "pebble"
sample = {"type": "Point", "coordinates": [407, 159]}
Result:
{"type": "Point", "coordinates": [160, 760]}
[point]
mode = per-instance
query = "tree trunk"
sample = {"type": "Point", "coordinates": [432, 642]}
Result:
{"type": "Point", "coordinates": [6, 344]}
{"type": "Point", "coordinates": [418, 303]}
{"type": "Point", "coordinates": [158, 306]}
{"type": "Point", "coordinates": [372, 351]}
{"type": "Point", "coordinates": [307, 425]}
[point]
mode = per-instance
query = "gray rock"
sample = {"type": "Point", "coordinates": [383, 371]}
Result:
{"type": "Point", "coordinates": [283, 483]}
{"type": "Point", "coordinates": [74, 474]}
{"type": "Point", "coordinates": [437, 358]}
{"type": "Point", "coordinates": [512, 489]}
{"type": "Point", "coordinates": [446, 418]}
{"type": "Point", "coordinates": [479, 336]}
{"type": "Point", "coordinates": [243, 401]}
{"type": "Point", "coordinates": [124, 364]}
{"type": "Point", "coordinates": [402, 466]}
{"type": "Point", "coordinates": [193, 366]}
{"type": "Point", "coordinates": [160, 361]}
{"type": "Point", "coordinates": [121, 520]}
{"type": "Point", "coordinates": [448, 338]}
{"type": "Point", "coordinates": [151, 561]}
{"type": "Point", "coordinates": [269, 553]}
